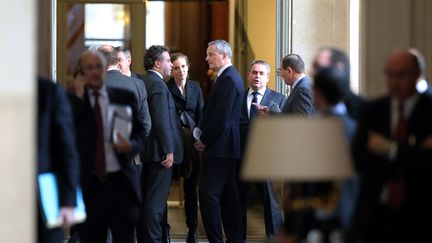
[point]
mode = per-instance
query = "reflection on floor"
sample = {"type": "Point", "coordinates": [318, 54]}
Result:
{"type": "Point", "coordinates": [176, 219]}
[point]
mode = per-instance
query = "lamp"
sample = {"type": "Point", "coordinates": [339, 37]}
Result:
{"type": "Point", "coordinates": [300, 149]}
{"type": "Point", "coordinates": [296, 148]}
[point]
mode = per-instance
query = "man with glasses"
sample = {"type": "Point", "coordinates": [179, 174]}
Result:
{"type": "Point", "coordinates": [393, 154]}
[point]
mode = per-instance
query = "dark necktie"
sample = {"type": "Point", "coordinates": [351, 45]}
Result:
{"type": "Point", "coordinates": [253, 109]}
{"type": "Point", "coordinates": [100, 162]}
{"type": "Point", "coordinates": [396, 186]}
{"type": "Point", "coordinates": [401, 126]}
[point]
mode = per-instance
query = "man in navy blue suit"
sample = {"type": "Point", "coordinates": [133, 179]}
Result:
{"type": "Point", "coordinates": [258, 93]}
{"type": "Point", "coordinates": [220, 144]}
{"type": "Point", "coordinates": [163, 147]}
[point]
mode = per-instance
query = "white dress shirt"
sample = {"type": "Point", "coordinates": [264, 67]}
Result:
{"type": "Point", "coordinates": [250, 96]}
{"type": "Point", "coordinates": [221, 70]}
{"type": "Point", "coordinates": [112, 163]}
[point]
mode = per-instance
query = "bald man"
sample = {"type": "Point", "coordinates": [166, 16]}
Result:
{"type": "Point", "coordinates": [393, 156]}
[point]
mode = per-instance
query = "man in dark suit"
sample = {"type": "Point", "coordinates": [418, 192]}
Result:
{"type": "Point", "coordinates": [220, 144]}
{"type": "Point", "coordinates": [56, 152]}
{"type": "Point", "coordinates": [110, 179]}
{"type": "Point", "coordinates": [392, 151]}
{"type": "Point", "coordinates": [114, 78]}
{"type": "Point", "coordinates": [258, 93]}
{"type": "Point", "coordinates": [299, 101]}
{"type": "Point", "coordinates": [300, 98]}
{"type": "Point", "coordinates": [332, 57]}
{"type": "Point", "coordinates": [164, 145]}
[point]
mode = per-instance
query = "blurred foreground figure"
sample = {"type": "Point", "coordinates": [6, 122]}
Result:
{"type": "Point", "coordinates": [56, 152]}
{"type": "Point", "coordinates": [392, 151]}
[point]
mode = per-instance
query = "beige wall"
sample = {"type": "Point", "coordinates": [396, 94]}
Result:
{"type": "Point", "coordinates": [319, 24]}
{"type": "Point", "coordinates": [260, 22]}
{"type": "Point", "coordinates": [389, 24]}
{"type": "Point", "coordinates": [17, 107]}
{"type": "Point", "coordinates": [253, 34]}
{"type": "Point", "coordinates": [315, 24]}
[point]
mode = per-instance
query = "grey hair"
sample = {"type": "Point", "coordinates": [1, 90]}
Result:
{"type": "Point", "coordinates": [126, 51]}
{"type": "Point", "coordinates": [95, 53]}
{"type": "Point", "coordinates": [222, 46]}
{"type": "Point", "coordinates": [262, 62]}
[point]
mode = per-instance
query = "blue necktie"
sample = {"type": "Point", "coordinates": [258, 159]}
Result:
{"type": "Point", "coordinates": [253, 108]}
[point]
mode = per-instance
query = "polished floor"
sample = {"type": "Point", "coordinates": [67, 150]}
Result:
{"type": "Point", "coordinates": [176, 218]}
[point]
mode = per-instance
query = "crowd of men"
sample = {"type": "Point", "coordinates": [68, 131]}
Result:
{"type": "Point", "coordinates": [125, 177]}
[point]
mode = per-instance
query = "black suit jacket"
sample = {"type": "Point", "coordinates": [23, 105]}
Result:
{"type": "Point", "coordinates": [193, 103]}
{"type": "Point", "coordinates": [56, 148]}
{"type": "Point", "coordinates": [412, 160]}
{"type": "Point", "coordinates": [300, 99]}
{"type": "Point", "coordinates": [86, 138]}
{"type": "Point", "coordinates": [116, 79]}
{"type": "Point", "coordinates": [270, 97]}
{"type": "Point", "coordinates": [220, 124]}
{"type": "Point", "coordinates": [166, 133]}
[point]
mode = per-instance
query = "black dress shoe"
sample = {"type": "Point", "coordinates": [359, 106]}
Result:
{"type": "Point", "coordinates": [191, 237]}
{"type": "Point", "coordinates": [166, 238]}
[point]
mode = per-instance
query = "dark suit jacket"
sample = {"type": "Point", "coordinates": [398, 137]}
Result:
{"type": "Point", "coordinates": [412, 160]}
{"type": "Point", "coordinates": [193, 103]}
{"type": "Point", "coordinates": [166, 133]}
{"type": "Point", "coordinates": [353, 103]}
{"type": "Point", "coordinates": [86, 138]}
{"type": "Point", "coordinates": [270, 96]}
{"type": "Point", "coordinates": [300, 99]}
{"type": "Point", "coordinates": [56, 148]}
{"type": "Point", "coordinates": [220, 125]}
{"type": "Point", "coordinates": [116, 79]}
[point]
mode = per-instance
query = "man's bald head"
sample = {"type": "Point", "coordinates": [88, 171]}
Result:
{"type": "Point", "coordinates": [402, 71]}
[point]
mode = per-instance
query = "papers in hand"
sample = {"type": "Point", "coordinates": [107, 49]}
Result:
{"type": "Point", "coordinates": [197, 133]}
{"type": "Point", "coordinates": [273, 107]}
{"type": "Point", "coordinates": [50, 205]}
{"type": "Point", "coordinates": [121, 117]}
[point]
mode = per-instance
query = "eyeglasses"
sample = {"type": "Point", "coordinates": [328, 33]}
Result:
{"type": "Point", "coordinates": [399, 74]}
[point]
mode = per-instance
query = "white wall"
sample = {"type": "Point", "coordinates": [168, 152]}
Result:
{"type": "Point", "coordinates": [17, 106]}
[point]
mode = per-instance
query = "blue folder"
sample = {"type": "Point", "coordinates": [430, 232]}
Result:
{"type": "Point", "coordinates": [49, 200]}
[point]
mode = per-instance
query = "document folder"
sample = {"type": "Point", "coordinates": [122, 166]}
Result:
{"type": "Point", "coordinates": [50, 205]}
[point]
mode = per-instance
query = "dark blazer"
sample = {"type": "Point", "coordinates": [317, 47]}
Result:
{"type": "Point", "coordinates": [300, 99]}
{"type": "Point", "coordinates": [220, 124]}
{"type": "Point", "coordinates": [56, 147]}
{"type": "Point", "coordinates": [353, 103]}
{"type": "Point", "coordinates": [193, 103]}
{"type": "Point", "coordinates": [166, 133]}
{"type": "Point", "coordinates": [270, 96]}
{"type": "Point", "coordinates": [116, 79]}
{"type": "Point", "coordinates": [375, 171]}
{"type": "Point", "coordinates": [86, 138]}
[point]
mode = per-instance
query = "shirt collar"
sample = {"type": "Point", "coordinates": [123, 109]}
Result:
{"type": "Point", "coordinates": [261, 91]}
{"type": "Point", "coordinates": [298, 79]}
{"type": "Point", "coordinates": [409, 104]}
{"type": "Point", "coordinates": [102, 91]}
{"type": "Point", "coordinates": [158, 73]}
{"type": "Point", "coordinates": [223, 68]}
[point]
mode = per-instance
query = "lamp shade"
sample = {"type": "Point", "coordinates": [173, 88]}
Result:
{"type": "Point", "coordinates": [297, 149]}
